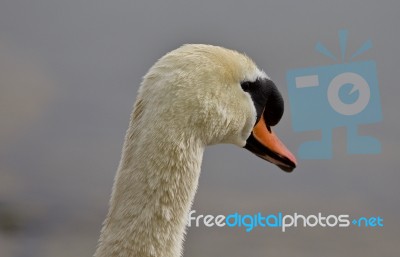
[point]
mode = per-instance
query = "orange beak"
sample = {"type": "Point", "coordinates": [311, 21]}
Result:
{"type": "Point", "coordinates": [265, 144]}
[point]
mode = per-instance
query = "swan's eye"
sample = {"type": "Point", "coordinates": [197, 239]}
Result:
{"type": "Point", "coordinates": [245, 86]}
{"type": "Point", "coordinates": [266, 99]}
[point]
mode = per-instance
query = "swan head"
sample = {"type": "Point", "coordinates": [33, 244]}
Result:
{"type": "Point", "coordinates": [214, 95]}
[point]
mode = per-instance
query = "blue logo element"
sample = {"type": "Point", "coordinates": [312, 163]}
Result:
{"type": "Point", "coordinates": [326, 97]}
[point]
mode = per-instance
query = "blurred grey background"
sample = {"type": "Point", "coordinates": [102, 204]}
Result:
{"type": "Point", "coordinates": [69, 72]}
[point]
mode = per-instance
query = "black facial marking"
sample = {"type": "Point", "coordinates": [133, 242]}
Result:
{"type": "Point", "coordinates": [265, 95]}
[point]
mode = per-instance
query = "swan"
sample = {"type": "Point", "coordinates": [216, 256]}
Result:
{"type": "Point", "coordinates": [194, 96]}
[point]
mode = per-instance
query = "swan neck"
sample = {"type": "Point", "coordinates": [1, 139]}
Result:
{"type": "Point", "coordinates": [152, 195]}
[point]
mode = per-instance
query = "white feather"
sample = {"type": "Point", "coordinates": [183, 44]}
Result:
{"type": "Point", "coordinates": [189, 99]}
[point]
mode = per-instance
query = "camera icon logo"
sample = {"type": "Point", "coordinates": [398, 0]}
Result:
{"type": "Point", "coordinates": [358, 83]}
{"type": "Point", "coordinates": [326, 97]}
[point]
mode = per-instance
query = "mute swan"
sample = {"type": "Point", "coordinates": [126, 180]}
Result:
{"type": "Point", "coordinates": [194, 96]}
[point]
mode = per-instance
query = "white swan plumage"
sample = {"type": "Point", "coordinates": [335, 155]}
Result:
{"type": "Point", "coordinates": [194, 96]}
